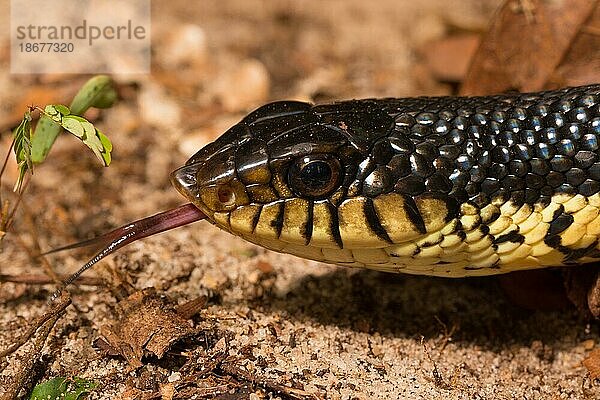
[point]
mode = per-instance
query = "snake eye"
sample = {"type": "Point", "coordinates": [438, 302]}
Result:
{"type": "Point", "coordinates": [315, 176]}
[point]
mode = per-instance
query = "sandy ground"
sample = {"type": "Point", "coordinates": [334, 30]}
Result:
{"type": "Point", "coordinates": [334, 333]}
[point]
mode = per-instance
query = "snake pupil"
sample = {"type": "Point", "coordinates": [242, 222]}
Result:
{"type": "Point", "coordinates": [314, 176]}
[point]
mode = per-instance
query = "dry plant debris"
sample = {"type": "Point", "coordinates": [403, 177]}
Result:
{"type": "Point", "coordinates": [270, 328]}
{"type": "Point", "coordinates": [145, 322]}
{"type": "Point", "coordinates": [526, 42]}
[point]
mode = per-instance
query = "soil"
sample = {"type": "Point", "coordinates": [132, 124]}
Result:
{"type": "Point", "coordinates": [261, 324]}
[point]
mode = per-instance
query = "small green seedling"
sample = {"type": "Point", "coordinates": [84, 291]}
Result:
{"type": "Point", "coordinates": [83, 129]}
{"type": "Point", "coordinates": [33, 147]}
{"type": "Point", "coordinates": [62, 389]}
{"type": "Point", "coordinates": [22, 148]}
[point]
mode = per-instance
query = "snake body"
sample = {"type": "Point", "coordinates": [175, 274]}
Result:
{"type": "Point", "coordinates": [444, 186]}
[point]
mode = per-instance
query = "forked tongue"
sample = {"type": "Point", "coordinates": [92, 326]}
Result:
{"type": "Point", "coordinates": [129, 233]}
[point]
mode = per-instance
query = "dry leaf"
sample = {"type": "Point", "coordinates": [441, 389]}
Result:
{"type": "Point", "coordinates": [264, 267]}
{"type": "Point", "coordinates": [189, 309]}
{"type": "Point", "coordinates": [592, 364]}
{"type": "Point", "coordinates": [583, 288]}
{"type": "Point", "coordinates": [581, 64]}
{"type": "Point", "coordinates": [526, 42]}
{"type": "Point", "coordinates": [448, 58]}
{"type": "Point", "coordinates": [146, 322]}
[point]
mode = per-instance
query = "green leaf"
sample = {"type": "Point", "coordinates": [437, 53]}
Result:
{"type": "Point", "coordinates": [82, 129]}
{"type": "Point", "coordinates": [96, 92]}
{"type": "Point", "coordinates": [22, 148]}
{"type": "Point", "coordinates": [64, 110]}
{"type": "Point", "coordinates": [22, 167]}
{"type": "Point", "coordinates": [107, 145]}
{"type": "Point", "coordinates": [105, 141]}
{"type": "Point", "coordinates": [62, 389]}
{"type": "Point", "coordinates": [46, 132]}
{"type": "Point", "coordinates": [57, 111]}
{"type": "Point", "coordinates": [73, 126]}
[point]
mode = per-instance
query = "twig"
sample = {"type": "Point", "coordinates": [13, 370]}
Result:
{"type": "Point", "coordinates": [5, 163]}
{"type": "Point", "coordinates": [36, 252]}
{"type": "Point", "coordinates": [207, 392]}
{"type": "Point", "coordinates": [447, 335]}
{"type": "Point", "coordinates": [33, 256]}
{"type": "Point", "coordinates": [269, 384]}
{"type": "Point", "coordinates": [39, 279]}
{"type": "Point", "coordinates": [45, 324]}
{"type": "Point", "coordinates": [526, 7]}
{"type": "Point", "coordinates": [24, 372]}
{"type": "Point", "coordinates": [11, 216]}
{"type": "Point", "coordinates": [64, 302]}
{"type": "Point", "coordinates": [438, 380]}
{"type": "Point", "coordinates": [592, 30]}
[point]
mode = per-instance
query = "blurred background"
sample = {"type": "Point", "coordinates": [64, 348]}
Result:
{"type": "Point", "coordinates": [358, 333]}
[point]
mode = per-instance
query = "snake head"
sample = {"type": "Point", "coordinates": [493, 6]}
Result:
{"type": "Point", "coordinates": [277, 177]}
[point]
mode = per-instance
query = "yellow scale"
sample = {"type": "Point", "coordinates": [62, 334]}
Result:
{"type": "Point", "coordinates": [441, 251]}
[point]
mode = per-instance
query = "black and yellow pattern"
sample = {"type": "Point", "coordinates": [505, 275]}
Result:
{"type": "Point", "coordinates": [447, 186]}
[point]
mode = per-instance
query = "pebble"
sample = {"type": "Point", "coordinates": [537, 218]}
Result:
{"type": "Point", "coordinates": [589, 344]}
{"type": "Point", "coordinates": [157, 108]}
{"type": "Point", "coordinates": [469, 15]}
{"type": "Point", "coordinates": [158, 164]}
{"type": "Point", "coordinates": [244, 87]}
{"type": "Point", "coordinates": [430, 27]}
{"type": "Point", "coordinates": [174, 377]}
{"type": "Point", "coordinates": [186, 45]}
{"type": "Point", "coordinates": [213, 279]}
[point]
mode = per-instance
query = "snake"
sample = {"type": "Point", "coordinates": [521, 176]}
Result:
{"type": "Point", "coordinates": [441, 186]}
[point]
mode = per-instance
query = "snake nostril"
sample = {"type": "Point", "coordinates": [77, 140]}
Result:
{"type": "Point", "coordinates": [226, 195]}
